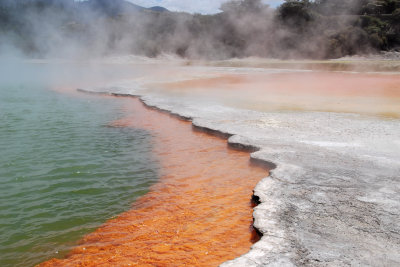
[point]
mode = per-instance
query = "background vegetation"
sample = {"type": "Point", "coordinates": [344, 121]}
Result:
{"type": "Point", "coordinates": [296, 29]}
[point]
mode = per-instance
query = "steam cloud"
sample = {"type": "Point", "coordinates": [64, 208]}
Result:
{"type": "Point", "coordinates": [94, 28]}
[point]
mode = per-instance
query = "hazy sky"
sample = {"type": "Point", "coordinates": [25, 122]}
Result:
{"type": "Point", "coordinates": [198, 6]}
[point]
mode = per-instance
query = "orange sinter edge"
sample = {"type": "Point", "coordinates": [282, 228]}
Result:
{"type": "Point", "coordinates": [198, 214]}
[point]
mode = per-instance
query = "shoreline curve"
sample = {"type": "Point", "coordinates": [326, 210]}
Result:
{"type": "Point", "coordinates": [270, 166]}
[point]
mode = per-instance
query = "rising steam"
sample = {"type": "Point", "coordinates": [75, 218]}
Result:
{"type": "Point", "coordinates": [296, 29]}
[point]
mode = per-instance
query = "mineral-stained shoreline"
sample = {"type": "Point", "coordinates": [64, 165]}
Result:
{"type": "Point", "coordinates": [333, 198]}
{"type": "Point", "coordinates": [182, 219]}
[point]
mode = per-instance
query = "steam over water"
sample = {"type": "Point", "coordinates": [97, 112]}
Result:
{"type": "Point", "coordinates": [63, 170]}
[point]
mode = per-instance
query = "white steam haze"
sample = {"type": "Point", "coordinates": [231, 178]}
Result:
{"type": "Point", "coordinates": [202, 6]}
{"type": "Point", "coordinates": [236, 29]}
{"type": "Point", "coordinates": [96, 28]}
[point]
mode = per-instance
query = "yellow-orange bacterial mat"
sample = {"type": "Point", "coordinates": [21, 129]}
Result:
{"type": "Point", "coordinates": [198, 214]}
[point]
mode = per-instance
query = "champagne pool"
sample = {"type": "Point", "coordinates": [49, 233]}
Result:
{"type": "Point", "coordinates": [63, 170]}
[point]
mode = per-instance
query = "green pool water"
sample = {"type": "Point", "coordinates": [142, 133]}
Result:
{"type": "Point", "coordinates": [63, 170]}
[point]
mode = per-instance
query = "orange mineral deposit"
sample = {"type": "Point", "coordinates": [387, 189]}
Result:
{"type": "Point", "coordinates": [198, 214]}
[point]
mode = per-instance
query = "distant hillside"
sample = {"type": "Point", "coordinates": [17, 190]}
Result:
{"type": "Point", "coordinates": [109, 7]}
{"type": "Point", "coordinates": [158, 8]}
{"type": "Point", "coordinates": [117, 7]}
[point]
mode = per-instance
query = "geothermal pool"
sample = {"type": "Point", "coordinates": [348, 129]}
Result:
{"type": "Point", "coordinates": [332, 139]}
{"type": "Point", "coordinates": [63, 170]}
